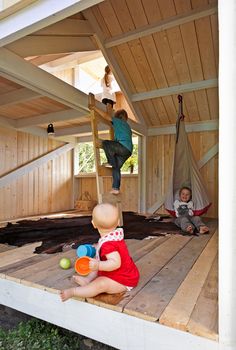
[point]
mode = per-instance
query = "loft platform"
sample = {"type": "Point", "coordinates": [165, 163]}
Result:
{"type": "Point", "coordinates": [178, 289]}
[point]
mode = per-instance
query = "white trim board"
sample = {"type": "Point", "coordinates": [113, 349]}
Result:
{"type": "Point", "coordinates": [34, 130]}
{"type": "Point", "coordinates": [68, 114]}
{"type": "Point", "coordinates": [68, 26]}
{"type": "Point", "coordinates": [36, 45]}
{"type": "Point", "coordinates": [161, 25]}
{"type": "Point", "coordinates": [116, 329]}
{"type": "Point", "coordinates": [208, 125]}
{"type": "Point", "coordinates": [70, 61]}
{"type": "Point", "coordinates": [173, 90]}
{"type": "Point", "coordinates": [38, 15]}
{"type": "Point", "coordinates": [24, 73]}
{"type": "Point", "coordinates": [15, 174]}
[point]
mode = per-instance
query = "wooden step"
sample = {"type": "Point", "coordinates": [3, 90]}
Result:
{"type": "Point", "coordinates": [104, 171]}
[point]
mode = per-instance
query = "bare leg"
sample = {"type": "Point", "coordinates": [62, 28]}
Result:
{"type": "Point", "coordinates": [97, 286]}
{"type": "Point", "coordinates": [84, 280]}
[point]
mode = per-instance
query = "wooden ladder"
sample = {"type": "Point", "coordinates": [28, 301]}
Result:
{"type": "Point", "coordinates": [97, 116]}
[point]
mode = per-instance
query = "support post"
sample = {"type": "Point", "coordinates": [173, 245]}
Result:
{"type": "Point", "coordinates": [227, 175]}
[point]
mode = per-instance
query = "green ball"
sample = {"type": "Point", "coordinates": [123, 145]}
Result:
{"type": "Point", "coordinates": [65, 263]}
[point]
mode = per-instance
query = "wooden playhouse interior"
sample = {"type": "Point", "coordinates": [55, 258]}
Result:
{"type": "Point", "coordinates": [157, 50]}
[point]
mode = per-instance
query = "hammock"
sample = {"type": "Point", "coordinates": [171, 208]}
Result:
{"type": "Point", "coordinates": [185, 171]}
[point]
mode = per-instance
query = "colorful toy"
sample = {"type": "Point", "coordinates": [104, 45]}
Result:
{"type": "Point", "coordinates": [86, 250]}
{"type": "Point", "coordinates": [65, 263]}
{"type": "Point", "coordinates": [82, 266]}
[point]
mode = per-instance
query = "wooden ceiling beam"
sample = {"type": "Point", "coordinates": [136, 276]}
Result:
{"type": "Point", "coordinates": [161, 25]}
{"type": "Point", "coordinates": [7, 122]}
{"type": "Point", "coordinates": [48, 45]}
{"type": "Point", "coordinates": [71, 61]}
{"type": "Point", "coordinates": [22, 72]}
{"type": "Point", "coordinates": [109, 57]}
{"type": "Point", "coordinates": [38, 15]}
{"type": "Point", "coordinates": [68, 114]}
{"type": "Point", "coordinates": [18, 96]}
{"type": "Point", "coordinates": [33, 130]}
{"type": "Point", "coordinates": [178, 89]}
{"type": "Point", "coordinates": [76, 130]}
{"type": "Point", "coordinates": [208, 125]}
{"type": "Point", "coordinates": [85, 129]}
{"type": "Point", "coordinates": [68, 27]}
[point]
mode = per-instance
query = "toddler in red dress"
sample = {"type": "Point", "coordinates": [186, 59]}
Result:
{"type": "Point", "coordinates": [113, 270]}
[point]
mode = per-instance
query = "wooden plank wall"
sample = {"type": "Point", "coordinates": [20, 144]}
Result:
{"type": "Point", "coordinates": [129, 189]}
{"type": "Point", "coordinates": [46, 189]}
{"type": "Point", "coordinates": [159, 162]}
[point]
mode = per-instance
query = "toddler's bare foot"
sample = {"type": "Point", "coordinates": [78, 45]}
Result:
{"type": "Point", "coordinates": [203, 229]}
{"type": "Point", "coordinates": [189, 229]}
{"type": "Point", "coordinates": [66, 294]}
{"type": "Point", "coordinates": [82, 281]}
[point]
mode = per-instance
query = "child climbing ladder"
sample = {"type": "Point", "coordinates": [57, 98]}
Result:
{"type": "Point", "coordinates": [117, 150]}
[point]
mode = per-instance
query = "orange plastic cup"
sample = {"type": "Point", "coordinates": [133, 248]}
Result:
{"type": "Point", "coordinates": [82, 266]}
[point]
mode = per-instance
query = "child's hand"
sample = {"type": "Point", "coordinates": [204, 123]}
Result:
{"type": "Point", "coordinates": [93, 264]}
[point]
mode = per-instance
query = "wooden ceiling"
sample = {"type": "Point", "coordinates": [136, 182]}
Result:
{"type": "Point", "coordinates": [156, 48]}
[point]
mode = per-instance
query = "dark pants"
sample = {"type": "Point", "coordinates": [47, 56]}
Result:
{"type": "Point", "coordinates": [116, 155]}
{"type": "Point", "coordinates": [184, 221]}
{"type": "Point", "coordinates": [107, 100]}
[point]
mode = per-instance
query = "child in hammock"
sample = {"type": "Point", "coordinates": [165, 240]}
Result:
{"type": "Point", "coordinates": [113, 270]}
{"type": "Point", "coordinates": [185, 219]}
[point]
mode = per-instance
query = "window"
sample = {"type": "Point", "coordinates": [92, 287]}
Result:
{"type": "Point", "coordinates": [84, 159]}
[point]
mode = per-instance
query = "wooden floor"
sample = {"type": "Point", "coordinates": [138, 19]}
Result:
{"type": "Point", "coordinates": [178, 285]}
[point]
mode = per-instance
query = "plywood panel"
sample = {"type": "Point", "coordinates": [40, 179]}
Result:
{"type": "Point", "coordinates": [43, 190]}
{"type": "Point", "coordinates": [129, 189]}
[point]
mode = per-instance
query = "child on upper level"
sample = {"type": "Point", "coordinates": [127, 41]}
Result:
{"type": "Point", "coordinates": [113, 270]}
{"type": "Point", "coordinates": [185, 218]}
{"type": "Point", "coordinates": [108, 93]}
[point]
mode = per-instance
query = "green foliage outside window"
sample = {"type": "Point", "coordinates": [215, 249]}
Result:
{"type": "Point", "coordinates": [84, 159]}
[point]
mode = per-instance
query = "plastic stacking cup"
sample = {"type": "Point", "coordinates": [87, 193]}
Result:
{"type": "Point", "coordinates": [82, 266]}
{"type": "Point", "coordinates": [86, 250]}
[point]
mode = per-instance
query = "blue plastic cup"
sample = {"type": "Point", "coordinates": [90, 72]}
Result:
{"type": "Point", "coordinates": [86, 250]}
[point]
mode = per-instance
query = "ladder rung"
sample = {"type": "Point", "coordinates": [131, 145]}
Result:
{"type": "Point", "coordinates": [111, 198]}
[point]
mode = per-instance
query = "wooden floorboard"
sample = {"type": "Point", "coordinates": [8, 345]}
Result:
{"type": "Point", "coordinates": [178, 312]}
{"type": "Point", "coordinates": [18, 254]}
{"type": "Point", "coordinates": [157, 293]}
{"type": "Point", "coordinates": [178, 279]}
{"type": "Point", "coordinates": [204, 318]}
{"type": "Point", "coordinates": [153, 262]}
{"type": "Point", "coordinates": [5, 247]}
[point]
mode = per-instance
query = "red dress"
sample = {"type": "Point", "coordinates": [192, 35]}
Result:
{"type": "Point", "coordinates": [127, 274]}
